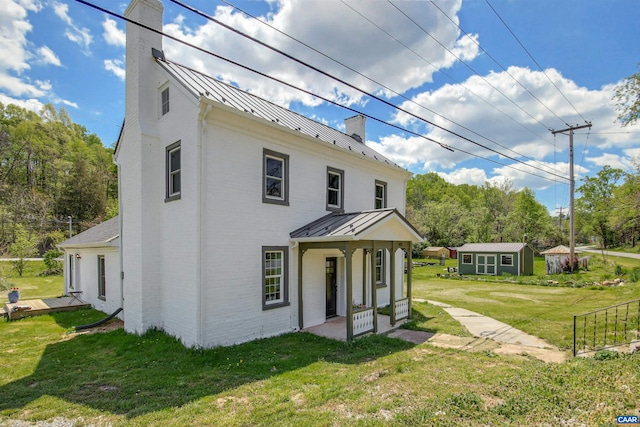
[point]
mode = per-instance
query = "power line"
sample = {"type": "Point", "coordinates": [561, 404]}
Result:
{"type": "Point", "coordinates": [446, 146]}
{"type": "Point", "coordinates": [535, 62]}
{"type": "Point", "coordinates": [467, 65]}
{"type": "Point", "coordinates": [500, 65]}
{"type": "Point", "coordinates": [324, 73]}
{"type": "Point", "coordinates": [376, 82]}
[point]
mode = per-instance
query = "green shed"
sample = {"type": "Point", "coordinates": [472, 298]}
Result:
{"type": "Point", "coordinates": [495, 259]}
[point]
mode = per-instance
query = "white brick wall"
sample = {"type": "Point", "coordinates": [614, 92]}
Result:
{"type": "Point", "coordinates": [193, 266]}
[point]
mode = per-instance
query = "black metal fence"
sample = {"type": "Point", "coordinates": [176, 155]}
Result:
{"type": "Point", "coordinates": [614, 326]}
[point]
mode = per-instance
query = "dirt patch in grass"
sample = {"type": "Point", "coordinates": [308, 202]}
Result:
{"type": "Point", "coordinates": [112, 325]}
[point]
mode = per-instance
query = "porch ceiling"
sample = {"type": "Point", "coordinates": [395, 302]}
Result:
{"type": "Point", "coordinates": [379, 224]}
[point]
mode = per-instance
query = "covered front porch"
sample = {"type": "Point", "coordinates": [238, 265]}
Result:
{"type": "Point", "coordinates": [336, 327]}
{"type": "Point", "coordinates": [356, 267]}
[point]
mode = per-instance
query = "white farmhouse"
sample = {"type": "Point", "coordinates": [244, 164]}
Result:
{"type": "Point", "coordinates": [241, 219]}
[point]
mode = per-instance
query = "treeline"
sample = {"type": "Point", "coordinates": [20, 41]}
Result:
{"type": "Point", "coordinates": [607, 212]}
{"type": "Point", "coordinates": [51, 169]}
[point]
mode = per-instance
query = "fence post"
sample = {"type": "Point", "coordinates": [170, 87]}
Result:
{"type": "Point", "coordinates": [574, 335]}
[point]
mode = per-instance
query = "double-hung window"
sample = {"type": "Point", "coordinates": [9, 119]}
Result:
{"type": "Point", "coordinates": [275, 285]}
{"type": "Point", "coordinates": [275, 178]}
{"type": "Point", "coordinates": [102, 279]}
{"type": "Point", "coordinates": [335, 190]}
{"type": "Point", "coordinates": [380, 195]}
{"type": "Point", "coordinates": [174, 172]}
{"type": "Point", "coordinates": [164, 101]}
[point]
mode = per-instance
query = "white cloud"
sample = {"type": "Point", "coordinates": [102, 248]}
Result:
{"type": "Point", "coordinates": [14, 27]}
{"type": "Point", "coordinates": [116, 66]}
{"type": "Point", "coordinates": [47, 56]}
{"type": "Point", "coordinates": [31, 104]}
{"type": "Point", "coordinates": [487, 118]}
{"type": "Point", "coordinates": [79, 35]}
{"type": "Point", "coordinates": [68, 103]}
{"type": "Point", "coordinates": [112, 34]}
{"type": "Point", "coordinates": [472, 176]}
{"type": "Point", "coordinates": [351, 39]}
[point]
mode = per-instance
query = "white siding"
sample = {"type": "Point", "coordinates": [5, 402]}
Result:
{"type": "Point", "coordinates": [86, 276]}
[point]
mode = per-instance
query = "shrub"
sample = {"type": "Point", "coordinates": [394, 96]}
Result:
{"type": "Point", "coordinates": [51, 262]}
{"type": "Point", "coordinates": [634, 275]}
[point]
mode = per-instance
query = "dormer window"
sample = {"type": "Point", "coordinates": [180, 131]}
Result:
{"type": "Point", "coordinates": [164, 100]}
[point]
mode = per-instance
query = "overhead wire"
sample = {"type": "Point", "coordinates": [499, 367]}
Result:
{"type": "Point", "coordinates": [500, 65]}
{"type": "Point", "coordinates": [198, 48]}
{"type": "Point", "coordinates": [440, 70]}
{"type": "Point", "coordinates": [534, 61]}
{"type": "Point", "coordinates": [350, 85]}
{"type": "Point", "coordinates": [377, 82]}
{"type": "Point", "coordinates": [468, 66]}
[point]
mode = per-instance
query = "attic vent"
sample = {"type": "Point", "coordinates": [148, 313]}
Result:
{"type": "Point", "coordinates": [356, 137]}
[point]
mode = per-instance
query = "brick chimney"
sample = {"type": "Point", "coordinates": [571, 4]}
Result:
{"type": "Point", "coordinates": [355, 127]}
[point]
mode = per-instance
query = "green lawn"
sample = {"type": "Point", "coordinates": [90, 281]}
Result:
{"type": "Point", "coordinates": [115, 378]}
{"type": "Point", "coordinates": [544, 311]}
{"type": "Point", "coordinates": [31, 285]}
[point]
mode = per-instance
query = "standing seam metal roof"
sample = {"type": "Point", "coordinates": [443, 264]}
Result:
{"type": "Point", "coordinates": [202, 85]}
{"type": "Point", "coordinates": [342, 225]}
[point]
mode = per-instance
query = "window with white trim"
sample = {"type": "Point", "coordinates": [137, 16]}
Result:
{"type": "Point", "coordinates": [102, 282]}
{"type": "Point", "coordinates": [506, 259]}
{"type": "Point", "coordinates": [380, 195]}
{"type": "Point", "coordinates": [174, 172]}
{"type": "Point", "coordinates": [275, 287]}
{"type": "Point", "coordinates": [467, 259]}
{"type": "Point", "coordinates": [164, 101]}
{"type": "Point", "coordinates": [275, 178]}
{"type": "Point", "coordinates": [335, 190]}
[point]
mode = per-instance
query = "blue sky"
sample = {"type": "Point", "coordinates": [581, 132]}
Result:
{"type": "Point", "coordinates": [452, 63]}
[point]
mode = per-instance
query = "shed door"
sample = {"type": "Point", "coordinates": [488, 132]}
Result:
{"type": "Point", "coordinates": [486, 264]}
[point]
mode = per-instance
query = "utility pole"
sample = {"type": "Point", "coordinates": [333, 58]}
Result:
{"type": "Point", "coordinates": [560, 220]}
{"type": "Point", "coordinates": [572, 184]}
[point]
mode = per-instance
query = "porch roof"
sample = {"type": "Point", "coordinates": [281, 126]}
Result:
{"type": "Point", "coordinates": [379, 224]}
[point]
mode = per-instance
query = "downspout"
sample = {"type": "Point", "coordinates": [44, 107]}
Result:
{"type": "Point", "coordinates": [120, 217]}
{"type": "Point", "coordinates": [204, 110]}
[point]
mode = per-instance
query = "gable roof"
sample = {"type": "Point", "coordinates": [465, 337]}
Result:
{"type": "Point", "coordinates": [103, 234]}
{"type": "Point", "coordinates": [356, 226]}
{"type": "Point", "coordinates": [491, 247]}
{"type": "Point", "coordinates": [202, 86]}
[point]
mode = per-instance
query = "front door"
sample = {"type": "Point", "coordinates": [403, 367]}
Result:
{"type": "Point", "coordinates": [332, 286]}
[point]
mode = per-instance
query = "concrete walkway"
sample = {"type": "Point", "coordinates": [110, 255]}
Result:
{"type": "Point", "coordinates": [505, 338]}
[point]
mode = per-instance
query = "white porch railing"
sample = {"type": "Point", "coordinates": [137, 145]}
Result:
{"type": "Point", "coordinates": [402, 309]}
{"type": "Point", "coordinates": [363, 321]}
